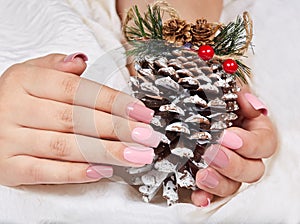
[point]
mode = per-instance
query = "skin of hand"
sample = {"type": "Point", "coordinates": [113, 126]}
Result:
{"type": "Point", "coordinates": [238, 157]}
{"type": "Point", "coordinates": [51, 126]}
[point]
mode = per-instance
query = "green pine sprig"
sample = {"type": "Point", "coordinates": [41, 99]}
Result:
{"type": "Point", "coordinates": [148, 26]}
{"type": "Point", "coordinates": [231, 38]}
{"type": "Point", "coordinates": [243, 71]}
{"type": "Point", "coordinates": [155, 48]}
{"type": "Point", "coordinates": [146, 38]}
{"type": "Point", "coordinates": [230, 41]}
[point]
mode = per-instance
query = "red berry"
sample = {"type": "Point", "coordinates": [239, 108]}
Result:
{"type": "Point", "coordinates": [206, 52]}
{"type": "Point", "coordinates": [230, 66]}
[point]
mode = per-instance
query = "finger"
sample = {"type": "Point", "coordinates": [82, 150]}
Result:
{"type": "Point", "coordinates": [250, 105]}
{"type": "Point", "coordinates": [232, 165]}
{"type": "Point", "coordinates": [28, 170]}
{"type": "Point", "coordinates": [56, 116]}
{"type": "Point", "coordinates": [201, 198]}
{"type": "Point", "coordinates": [71, 89]}
{"type": "Point", "coordinates": [257, 139]}
{"type": "Point", "coordinates": [73, 63]}
{"type": "Point", "coordinates": [213, 182]}
{"type": "Point", "coordinates": [78, 148]}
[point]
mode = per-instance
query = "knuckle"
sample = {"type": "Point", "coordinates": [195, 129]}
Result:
{"type": "Point", "coordinates": [108, 99]}
{"type": "Point", "coordinates": [14, 72]}
{"type": "Point", "coordinates": [60, 147]}
{"type": "Point", "coordinates": [117, 126]}
{"type": "Point", "coordinates": [260, 172]}
{"type": "Point", "coordinates": [229, 188]}
{"type": "Point", "coordinates": [114, 152]}
{"type": "Point", "coordinates": [74, 174]}
{"type": "Point", "coordinates": [65, 117]}
{"type": "Point", "coordinates": [12, 79]}
{"type": "Point", "coordinates": [34, 172]}
{"type": "Point", "coordinates": [69, 86]}
{"type": "Point", "coordinates": [223, 192]}
{"type": "Point", "coordinates": [238, 172]}
{"type": "Point", "coordinates": [69, 175]}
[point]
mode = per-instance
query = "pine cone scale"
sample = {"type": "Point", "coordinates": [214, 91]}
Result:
{"type": "Point", "coordinates": [194, 103]}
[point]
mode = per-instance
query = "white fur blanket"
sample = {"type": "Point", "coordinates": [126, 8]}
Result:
{"type": "Point", "coordinates": [32, 28]}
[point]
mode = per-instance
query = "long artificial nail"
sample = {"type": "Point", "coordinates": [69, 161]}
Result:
{"type": "Point", "coordinates": [207, 179]}
{"type": "Point", "coordinates": [216, 157]}
{"type": "Point", "coordinates": [256, 103]}
{"type": "Point", "coordinates": [231, 140]}
{"type": "Point", "coordinates": [139, 155]}
{"type": "Point", "coordinates": [140, 112]}
{"type": "Point", "coordinates": [146, 136]}
{"type": "Point", "coordinates": [98, 172]}
{"type": "Point", "coordinates": [71, 57]}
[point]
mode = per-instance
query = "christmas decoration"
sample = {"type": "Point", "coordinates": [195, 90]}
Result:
{"type": "Point", "coordinates": [230, 66]}
{"type": "Point", "coordinates": [177, 31]}
{"type": "Point", "coordinates": [203, 33]}
{"type": "Point", "coordinates": [206, 52]}
{"type": "Point", "coordinates": [187, 73]}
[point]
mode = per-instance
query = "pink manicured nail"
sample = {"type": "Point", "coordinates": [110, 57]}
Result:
{"type": "Point", "coordinates": [207, 203]}
{"type": "Point", "coordinates": [231, 140]}
{"type": "Point", "coordinates": [146, 136]}
{"type": "Point", "coordinates": [216, 157]}
{"type": "Point", "coordinates": [140, 112]}
{"type": "Point", "coordinates": [207, 179]}
{"type": "Point", "coordinates": [139, 155]}
{"type": "Point", "coordinates": [256, 103]}
{"type": "Point", "coordinates": [98, 172]}
{"type": "Point", "coordinates": [71, 57]}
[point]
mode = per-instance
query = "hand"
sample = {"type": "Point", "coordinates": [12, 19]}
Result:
{"type": "Point", "coordinates": [59, 128]}
{"type": "Point", "coordinates": [238, 158]}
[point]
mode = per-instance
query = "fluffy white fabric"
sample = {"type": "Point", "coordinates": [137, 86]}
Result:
{"type": "Point", "coordinates": [32, 28]}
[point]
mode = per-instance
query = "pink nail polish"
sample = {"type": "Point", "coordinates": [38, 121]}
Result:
{"type": "Point", "coordinates": [71, 57]}
{"type": "Point", "coordinates": [98, 172]}
{"type": "Point", "coordinates": [146, 136]}
{"type": "Point", "coordinates": [256, 103]}
{"type": "Point", "coordinates": [140, 112]}
{"type": "Point", "coordinates": [207, 203]}
{"type": "Point", "coordinates": [231, 140]}
{"type": "Point", "coordinates": [215, 156]}
{"type": "Point", "coordinates": [207, 179]}
{"type": "Point", "coordinates": [139, 155]}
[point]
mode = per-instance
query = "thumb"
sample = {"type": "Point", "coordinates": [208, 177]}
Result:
{"type": "Point", "coordinates": [73, 63]}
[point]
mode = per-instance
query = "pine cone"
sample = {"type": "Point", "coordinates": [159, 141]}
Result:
{"type": "Point", "coordinates": [194, 101]}
{"type": "Point", "coordinates": [203, 32]}
{"type": "Point", "coordinates": [177, 32]}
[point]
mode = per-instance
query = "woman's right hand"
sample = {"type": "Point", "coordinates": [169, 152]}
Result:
{"type": "Point", "coordinates": [59, 128]}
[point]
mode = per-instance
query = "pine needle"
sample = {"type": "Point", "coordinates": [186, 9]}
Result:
{"type": "Point", "coordinates": [243, 71]}
{"type": "Point", "coordinates": [231, 38]}
{"type": "Point", "coordinates": [147, 26]}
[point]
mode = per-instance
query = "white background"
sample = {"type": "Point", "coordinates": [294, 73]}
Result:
{"type": "Point", "coordinates": [34, 28]}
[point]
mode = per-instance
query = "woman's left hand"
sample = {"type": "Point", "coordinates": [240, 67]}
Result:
{"type": "Point", "coordinates": [238, 157]}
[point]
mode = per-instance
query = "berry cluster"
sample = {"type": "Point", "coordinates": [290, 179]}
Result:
{"type": "Point", "coordinates": [206, 52]}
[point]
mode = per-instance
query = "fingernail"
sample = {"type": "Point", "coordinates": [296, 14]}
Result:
{"type": "Point", "coordinates": [71, 57]}
{"type": "Point", "coordinates": [256, 103]}
{"type": "Point", "coordinates": [231, 140]}
{"type": "Point", "coordinates": [207, 179]}
{"type": "Point", "coordinates": [140, 112]}
{"type": "Point", "coordinates": [98, 172]}
{"type": "Point", "coordinates": [206, 204]}
{"type": "Point", "coordinates": [146, 136]}
{"type": "Point", "coordinates": [139, 155]}
{"type": "Point", "coordinates": [215, 156]}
